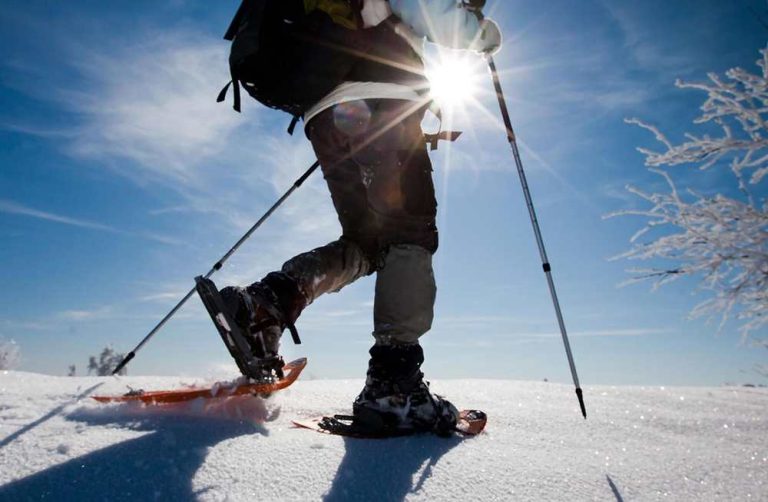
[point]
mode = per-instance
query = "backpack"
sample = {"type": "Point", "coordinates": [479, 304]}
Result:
{"type": "Point", "coordinates": [289, 54]}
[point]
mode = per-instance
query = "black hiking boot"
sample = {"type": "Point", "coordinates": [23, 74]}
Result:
{"type": "Point", "coordinates": [397, 400]}
{"type": "Point", "coordinates": [254, 309]}
{"type": "Point", "coordinates": [251, 321]}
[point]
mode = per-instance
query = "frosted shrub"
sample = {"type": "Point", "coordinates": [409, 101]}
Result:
{"type": "Point", "coordinates": [107, 361]}
{"type": "Point", "coordinates": [722, 241]}
{"type": "Point", "coordinates": [10, 356]}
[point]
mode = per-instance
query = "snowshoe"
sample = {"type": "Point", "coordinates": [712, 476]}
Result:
{"type": "Point", "coordinates": [218, 390]}
{"type": "Point", "coordinates": [470, 423]}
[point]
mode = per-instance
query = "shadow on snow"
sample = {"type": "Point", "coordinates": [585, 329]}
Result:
{"type": "Point", "coordinates": [386, 469]}
{"type": "Point", "coordinates": [157, 465]}
{"type": "Point", "coordinates": [57, 410]}
{"type": "Point", "coordinates": [614, 489]}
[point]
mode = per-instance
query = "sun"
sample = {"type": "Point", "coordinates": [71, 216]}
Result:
{"type": "Point", "coordinates": [453, 77]}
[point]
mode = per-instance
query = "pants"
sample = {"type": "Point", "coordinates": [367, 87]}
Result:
{"type": "Point", "coordinates": [375, 162]}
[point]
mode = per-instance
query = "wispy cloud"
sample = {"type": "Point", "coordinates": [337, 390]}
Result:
{"type": "Point", "coordinates": [163, 297]}
{"type": "Point", "coordinates": [478, 319]}
{"type": "Point", "coordinates": [146, 109]}
{"type": "Point", "coordinates": [38, 130]}
{"type": "Point", "coordinates": [162, 117]}
{"type": "Point", "coordinates": [643, 42]}
{"type": "Point", "coordinates": [179, 209]}
{"type": "Point", "coordinates": [11, 207]}
{"type": "Point", "coordinates": [105, 312]}
{"type": "Point", "coordinates": [15, 325]}
{"type": "Point", "coordinates": [624, 332]}
{"type": "Point", "coordinates": [341, 313]}
{"type": "Point", "coordinates": [600, 93]}
{"type": "Point", "coordinates": [499, 338]}
{"type": "Point", "coordinates": [153, 104]}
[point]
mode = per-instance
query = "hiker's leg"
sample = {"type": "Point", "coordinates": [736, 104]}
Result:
{"type": "Point", "coordinates": [405, 296]}
{"type": "Point", "coordinates": [380, 178]}
{"type": "Point", "coordinates": [325, 269]}
{"type": "Point", "coordinates": [402, 194]}
{"type": "Point", "coordinates": [305, 277]}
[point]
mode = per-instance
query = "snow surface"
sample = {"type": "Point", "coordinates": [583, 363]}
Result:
{"type": "Point", "coordinates": [639, 443]}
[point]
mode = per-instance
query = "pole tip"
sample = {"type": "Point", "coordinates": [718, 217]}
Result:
{"type": "Point", "coordinates": [580, 395]}
{"type": "Point", "coordinates": [122, 364]}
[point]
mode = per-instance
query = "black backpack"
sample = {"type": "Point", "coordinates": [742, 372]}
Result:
{"type": "Point", "coordinates": [289, 56]}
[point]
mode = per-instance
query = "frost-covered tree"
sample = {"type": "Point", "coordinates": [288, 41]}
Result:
{"type": "Point", "coordinates": [107, 361]}
{"type": "Point", "coordinates": [721, 240]}
{"type": "Point", "coordinates": [72, 370]}
{"type": "Point", "coordinates": [9, 355]}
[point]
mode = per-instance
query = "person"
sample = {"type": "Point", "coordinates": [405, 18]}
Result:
{"type": "Point", "coordinates": [367, 136]}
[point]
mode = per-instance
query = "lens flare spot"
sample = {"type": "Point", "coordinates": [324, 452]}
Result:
{"type": "Point", "coordinates": [352, 118]}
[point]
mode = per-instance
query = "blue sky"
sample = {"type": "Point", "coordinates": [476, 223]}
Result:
{"type": "Point", "coordinates": [121, 179]}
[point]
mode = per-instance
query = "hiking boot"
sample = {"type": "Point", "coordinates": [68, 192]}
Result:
{"type": "Point", "coordinates": [396, 399]}
{"type": "Point", "coordinates": [255, 310]}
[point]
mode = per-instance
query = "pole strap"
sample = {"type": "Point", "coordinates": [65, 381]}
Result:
{"type": "Point", "coordinates": [432, 139]}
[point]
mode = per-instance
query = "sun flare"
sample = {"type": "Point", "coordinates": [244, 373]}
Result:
{"type": "Point", "coordinates": [453, 78]}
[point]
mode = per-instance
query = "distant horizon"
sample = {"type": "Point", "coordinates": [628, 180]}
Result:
{"type": "Point", "coordinates": [174, 381]}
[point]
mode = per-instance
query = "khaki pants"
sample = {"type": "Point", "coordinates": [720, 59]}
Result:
{"type": "Point", "coordinates": [375, 162]}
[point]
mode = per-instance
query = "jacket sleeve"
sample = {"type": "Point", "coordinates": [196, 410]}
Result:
{"type": "Point", "coordinates": [444, 22]}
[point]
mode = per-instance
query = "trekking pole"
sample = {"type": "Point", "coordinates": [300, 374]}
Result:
{"type": "Point", "coordinates": [536, 230]}
{"type": "Point", "coordinates": [219, 264]}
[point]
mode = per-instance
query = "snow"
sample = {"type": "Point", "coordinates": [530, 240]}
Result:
{"type": "Point", "coordinates": [639, 443]}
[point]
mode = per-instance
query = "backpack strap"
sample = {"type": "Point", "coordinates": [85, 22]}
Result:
{"type": "Point", "coordinates": [235, 93]}
{"type": "Point", "coordinates": [246, 6]}
{"type": "Point", "coordinates": [294, 121]}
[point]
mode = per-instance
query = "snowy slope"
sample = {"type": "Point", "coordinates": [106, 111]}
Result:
{"type": "Point", "coordinates": [638, 444]}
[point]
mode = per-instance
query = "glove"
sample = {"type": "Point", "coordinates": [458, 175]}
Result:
{"type": "Point", "coordinates": [489, 39]}
{"type": "Point", "coordinates": [374, 12]}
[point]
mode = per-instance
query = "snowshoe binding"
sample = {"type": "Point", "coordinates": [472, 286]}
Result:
{"type": "Point", "coordinates": [470, 423]}
{"type": "Point", "coordinates": [250, 324]}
